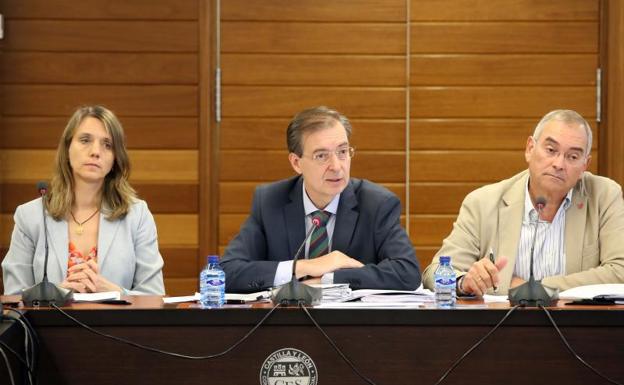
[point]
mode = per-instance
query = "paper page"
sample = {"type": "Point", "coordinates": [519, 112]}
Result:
{"type": "Point", "coordinates": [94, 297]}
{"type": "Point", "coordinates": [590, 291]}
{"type": "Point", "coordinates": [488, 298]}
{"type": "Point", "coordinates": [228, 297]}
{"type": "Point", "coordinates": [186, 298]}
{"type": "Point", "coordinates": [257, 296]}
{"type": "Point", "coordinates": [368, 305]}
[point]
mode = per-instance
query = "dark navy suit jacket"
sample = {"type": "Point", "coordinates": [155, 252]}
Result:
{"type": "Point", "coordinates": [367, 228]}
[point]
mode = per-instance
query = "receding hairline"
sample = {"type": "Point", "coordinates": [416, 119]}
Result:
{"type": "Point", "coordinates": [571, 119]}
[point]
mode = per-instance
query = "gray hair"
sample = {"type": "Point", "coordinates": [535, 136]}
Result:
{"type": "Point", "coordinates": [311, 120]}
{"type": "Point", "coordinates": [568, 117]}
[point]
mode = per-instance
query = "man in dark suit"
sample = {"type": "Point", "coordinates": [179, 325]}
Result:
{"type": "Point", "coordinates": [354, 225]}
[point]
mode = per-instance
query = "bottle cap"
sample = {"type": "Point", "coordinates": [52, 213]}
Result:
{"type": "Point", "coordinates": [212, 259]}
{"type": "Point", "coordinates": [445, 259]}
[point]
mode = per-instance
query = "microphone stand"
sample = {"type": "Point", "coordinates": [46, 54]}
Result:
{"type": "Point", "coordinates": [295, 292]}
{"type": "Point", "coordinates": [45, 292]}
{"type": "Point", "coordinates": [532, 293]}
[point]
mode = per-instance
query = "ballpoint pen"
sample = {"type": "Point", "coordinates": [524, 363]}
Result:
{"type": "Point", "coordinates": [493, 260]}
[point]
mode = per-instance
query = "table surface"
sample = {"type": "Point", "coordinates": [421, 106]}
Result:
{"type": "Point", "coordinates": [392, 346]}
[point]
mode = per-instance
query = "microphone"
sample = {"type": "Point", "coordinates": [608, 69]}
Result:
{"type": "Point", "coordinates": [45, 293]}
{"type": "Point", "coordinates": [295, 292]}
{"type": "Point", "coordinates": [532, 293]}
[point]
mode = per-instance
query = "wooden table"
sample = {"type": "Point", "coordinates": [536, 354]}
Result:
{"type": "Point", "coordinates": [390, 346]}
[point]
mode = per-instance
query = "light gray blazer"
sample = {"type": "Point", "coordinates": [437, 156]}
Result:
{"type": "Point", "coordinates": [127, 250]}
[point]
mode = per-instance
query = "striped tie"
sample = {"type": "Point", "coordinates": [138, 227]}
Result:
{"type": "Point", "coordinates": [319, 242]}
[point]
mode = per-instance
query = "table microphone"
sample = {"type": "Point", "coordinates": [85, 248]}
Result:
{"type": "Point", "coordinates": [295, 292]}
{"type": "Point", "coordinates": [45, 293]}
{"type": "Point", "coordinates": [533, 293]}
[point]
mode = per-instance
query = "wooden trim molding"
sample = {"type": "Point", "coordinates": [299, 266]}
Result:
{"type": "Point", "coordinates": [208, 189]}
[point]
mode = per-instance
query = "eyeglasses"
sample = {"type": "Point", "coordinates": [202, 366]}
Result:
{"type": "Point", "coordinates": [572, 158]}
{"type": "Point", "coordinates": [343, 153]}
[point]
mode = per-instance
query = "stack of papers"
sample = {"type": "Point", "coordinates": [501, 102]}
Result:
{"type": "Point", "coordinates": [380, 297]}
{"type": "Point", "coordinates": [337, 292]}
{"type": "Point", "coordinates": [396, 296]}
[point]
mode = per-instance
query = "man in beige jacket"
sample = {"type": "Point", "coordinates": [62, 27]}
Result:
{"type": "Point", "coordinates": [579, 231]}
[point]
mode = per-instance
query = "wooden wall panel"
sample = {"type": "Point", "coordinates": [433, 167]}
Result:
{"type": "Point", "coordinates": [475, 134]}
{"type": "Point", "coordinates": [141, 132]}
{"type": "Point", "coordinates": [503, 69]}
{"type": "Point", "coordinates": [355, 102]}
{"type": "Point", "coordinates": [136, 57]}
{"type": "Point", "coordinates": [282, 57]}
{"type": "Point", "coordinates": [613, 90]}
{"type": "Point", "coordinates": [174, 197]}
{"type": "Point", "coordinates": [177, 229]}
{"type": "Point", "coordinates": [313, 10]}
{"type": "Point", "coordinates": [236, 197]}
{"type": "Point", "coordinates": [500, 102]}
{"type": "Point", "coordinates": [182, 262]}
{"type": "Point", "coordinates": [532, 10]}
{"type": "Point", "coordinates": [320, 70]}
{"type": "Point", "coordinates": [181, 286]}
{"type": "Point", "coordinates": [504, 37]}
{"type": "Point", "coordinates": [303, 37]}
{"type": "Point", "coordinates": [242, 166]}
{"type": "Point", "coordinates": [125, 100]}
{"type": "Point", "coordinates": [99, 68]}
{"type": "Point", "coordinates": [481, 78]}
{"type": "Point", "coordinates": [101, 36]}
{"type": "Point", "coordinates": [439, 197]}
{"type": "Point", "coordinates": [161, 198]}
{"type": "Point", "coordinates": [468, 166]}
{"type": "Point", "coordinates": [6, 228]}
{"type": "Point", "coordinates": [148, 165]}
{"type": "Point", "coordinates": [270, 134]}
{"type": "Point", "coordinates": [431, 228]}
{"type": "Point", "coordinates": [98, 9]}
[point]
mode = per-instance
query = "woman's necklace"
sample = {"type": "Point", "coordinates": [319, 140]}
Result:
{"type": "Point", "coordinates": [80, 229]}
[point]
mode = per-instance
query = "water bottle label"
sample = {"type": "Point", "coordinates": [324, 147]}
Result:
{"type": "Point", "coordinates": [215, 282]}
{"type": "Point", "coordinates": [445, 281]}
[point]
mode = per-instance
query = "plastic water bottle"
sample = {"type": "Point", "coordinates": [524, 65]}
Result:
{"type": "Point", "coordinates": [212, 284]}
{"type": "Point", "coordinates": [445, 281]}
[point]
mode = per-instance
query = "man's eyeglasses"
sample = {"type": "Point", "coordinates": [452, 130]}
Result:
{"type": "Point", "coordinates": [573, 158]}
{"type": "Point", "coordinates": [343, 153]}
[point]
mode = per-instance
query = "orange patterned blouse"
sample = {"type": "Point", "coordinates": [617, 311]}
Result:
{"type": "Point", "coordinates": [76, 257]}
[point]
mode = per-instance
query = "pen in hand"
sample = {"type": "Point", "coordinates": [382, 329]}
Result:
{"type": "Point", "coordinates": [493, 260]}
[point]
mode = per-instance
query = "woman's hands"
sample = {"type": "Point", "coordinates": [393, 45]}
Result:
{"type": "Point", "coordinates": [85, 278]}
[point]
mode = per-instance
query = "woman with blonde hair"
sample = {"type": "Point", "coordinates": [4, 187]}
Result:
{"type": "Point", "coordinates": [101, 236]}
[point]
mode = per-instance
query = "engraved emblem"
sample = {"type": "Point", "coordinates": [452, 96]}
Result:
{"type": "Point", "coordinates": [288, 366]}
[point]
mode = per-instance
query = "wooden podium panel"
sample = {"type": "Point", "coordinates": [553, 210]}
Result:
{"type": "Point", "coordinates": [390, 346]}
